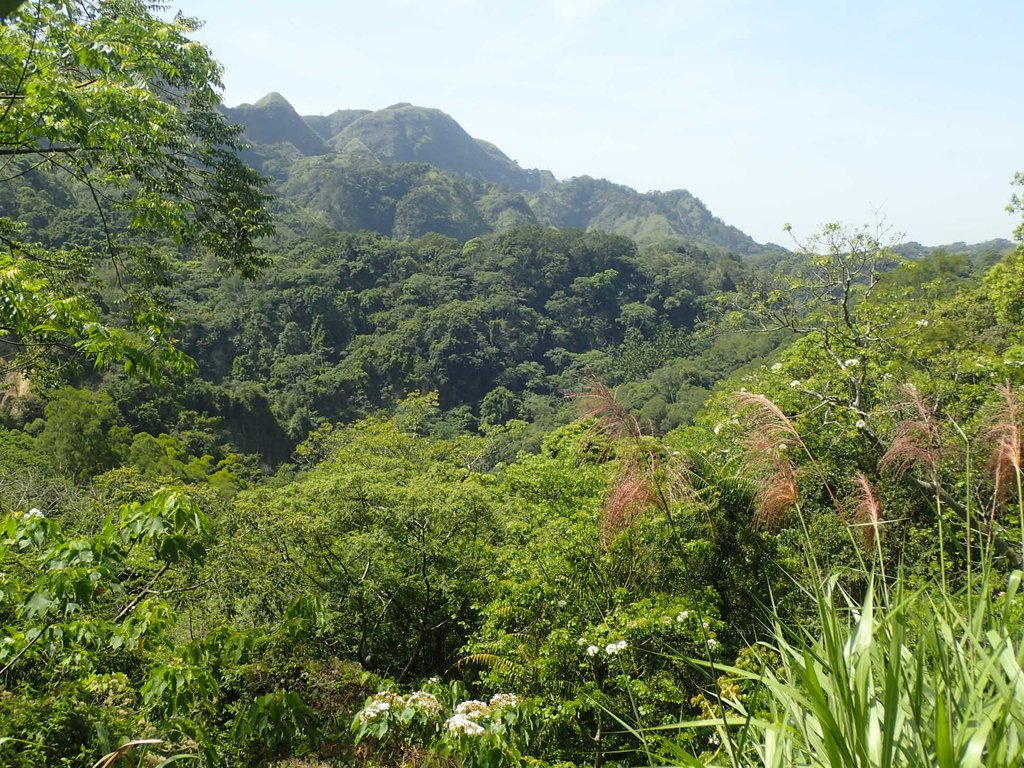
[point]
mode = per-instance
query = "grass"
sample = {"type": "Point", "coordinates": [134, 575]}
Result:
{"type": "Point", "coordinates": [898, 678]}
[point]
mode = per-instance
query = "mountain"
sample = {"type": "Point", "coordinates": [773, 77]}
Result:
{"type": "Point", "coordinates": [405, 171]}
{"type": "Point", "coordinates": [272, 120]}
{"type": "Point", "coordinates": [985, 253]}
{"type": "Point", "coordinates": [329, 126]}
{"type": "Point", "coordinates": [403, 133]}
{"type": "Point", "coordinates": [589, 203]}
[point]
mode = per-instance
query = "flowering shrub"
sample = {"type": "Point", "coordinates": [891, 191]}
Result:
{"type": "Point", "coordinates": [441, 721]}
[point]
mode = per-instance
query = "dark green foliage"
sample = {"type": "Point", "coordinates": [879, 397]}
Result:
{"type": "Point", "coordinates": [346, 324]}
{"type": "Point", "coordinates": [77, 433]}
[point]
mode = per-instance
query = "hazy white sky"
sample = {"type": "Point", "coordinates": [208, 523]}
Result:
{"type": "Point", "coordinates": [801, 111]}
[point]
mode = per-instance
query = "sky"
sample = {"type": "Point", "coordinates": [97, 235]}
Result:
{"type": "Point", "coordinates": [905, 113]}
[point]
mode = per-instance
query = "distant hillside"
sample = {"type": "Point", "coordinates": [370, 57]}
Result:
{"type": "Point", "coordinates": [984, 253]}
{"type": "Point", "coordinates": [272, 120]}
{"type": "Point", "coordinates": [589, 203]}
{"type": "Point", "coordinates": [405, 171]}
{"type": "Point", "coordinates": [329, 126]}
{"type": "Point", "coordinates": [403, 133]}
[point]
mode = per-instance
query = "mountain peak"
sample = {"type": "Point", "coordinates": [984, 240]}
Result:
{"type": "Point", "coordinates": [273, 99]}
{"type": "Point", "coordinates": [273, 120]}
{"type": "Point", "coordinates": [405, 133]}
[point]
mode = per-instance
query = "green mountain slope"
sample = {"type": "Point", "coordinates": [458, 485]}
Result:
{"type": "Point", "coordinates": [328, 126]}
{"type": "Point", "coordinates": [404, 133]}
{"type": "Point", "coordinates": [272, 120]}
{"type": "Point", "coordinates": [406, 171]}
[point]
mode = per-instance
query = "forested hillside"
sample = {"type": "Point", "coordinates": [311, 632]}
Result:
{"type": "Point", "coordinates": [391, 452]}
{"type": "Point", "coordinates": [405, 171]}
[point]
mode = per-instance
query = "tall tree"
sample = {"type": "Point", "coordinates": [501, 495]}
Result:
{"type": "Point", "coordinates": [121, 107]}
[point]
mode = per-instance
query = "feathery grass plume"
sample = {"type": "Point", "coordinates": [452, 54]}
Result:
{"type": "Point", "coordinates": [867, 511]}
{"type": "Point", "coordinates": [630, 495]}
{"type": "Point", "coordinates": [1004, 433]}
{"type": "Point", "coordinates": [776, 493]}
{"type": "Point", "coordinates": [770, 435]}
{"type": "Point", "coordinates": [598, 402]}
{"type": "Point", "coordinates": [917, 439]}
{"type": "Point", "coordinates": [769, 427]}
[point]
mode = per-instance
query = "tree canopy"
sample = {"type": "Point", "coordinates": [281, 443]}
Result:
{"type": "Point", "coordinates": [120, 109]}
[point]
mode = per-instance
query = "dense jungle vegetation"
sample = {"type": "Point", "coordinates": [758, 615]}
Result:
{"type": "Point", "coordinates": [390, 452]}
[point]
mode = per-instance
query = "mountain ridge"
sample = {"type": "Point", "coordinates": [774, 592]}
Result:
{"type": "Point", "coordinates": [365, 169]}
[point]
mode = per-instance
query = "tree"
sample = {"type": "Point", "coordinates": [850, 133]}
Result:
{"type": "Point", "coordinates": [824, 295]}
{"type": "Point", "coordinates": [121, 109]}
{"type": "Point", "coordinates": [76, 433]}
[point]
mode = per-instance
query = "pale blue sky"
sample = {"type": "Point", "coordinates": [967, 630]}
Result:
{"type": "Point", "coordinates": [770, 112]}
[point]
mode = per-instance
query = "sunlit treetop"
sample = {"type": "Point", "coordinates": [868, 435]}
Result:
{"type": "Point", "coordinates": [124, 108]}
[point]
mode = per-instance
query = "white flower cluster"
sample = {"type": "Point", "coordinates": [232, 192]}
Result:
{"type": "Point", "coordinates": [461, 724]}
{"type": "Point", "coordinates": [472, 708]}
{"type": "Point", "coordinates": [385, 701]}
{"type": "Point", "coordinates": [379, 706]}
{"type": "Point", "coordinates": [34, 514]}
{"type": "Point", "coordinates": [425, 702]}
{"type": "Point", "coordinates": [611, 649]}
{"type": "Point", "coordinates": [503, 701]}
{"type": "Point", "coordinates": [466, 717]}
{"type": "Point", "coordinates": [682, 616]}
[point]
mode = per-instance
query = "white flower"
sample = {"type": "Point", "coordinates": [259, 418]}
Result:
{"type": "Point", "coordinates": [777, 367]}
{"type": "Point", "coordinates": [592, 650]}
{"type": "Point", "coordinates": [795, 383]}
{"type": "Point", "coordinates": [581, 641]}
{"type": "Point", "coordinates": [860, 424]}
{"type": "Point", "coordinates": [373, 710]}
{"type": "Point", "coordinates": [613, 648]}
{"type": "Point", "coordinates": [472, 709]}
{"type": "Point", "coordinates": [717, 429]}
{"type": "Point", "coordinates": [425, 702]}
{"type": "Point", "coordinates": [712, 643]}
{"type": "Point", "coordinates": [34, 514]}
{"type": "Point", "coordinates": [922, 322]}
{"type": "Point", "coordinates": [682, 615]}
{"type": "Point", "coordinates": [461, 724]}
{"type": "Point", "coordinates": [705, 625]}
{"type": "Point", "coordinates": [504, 700]}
